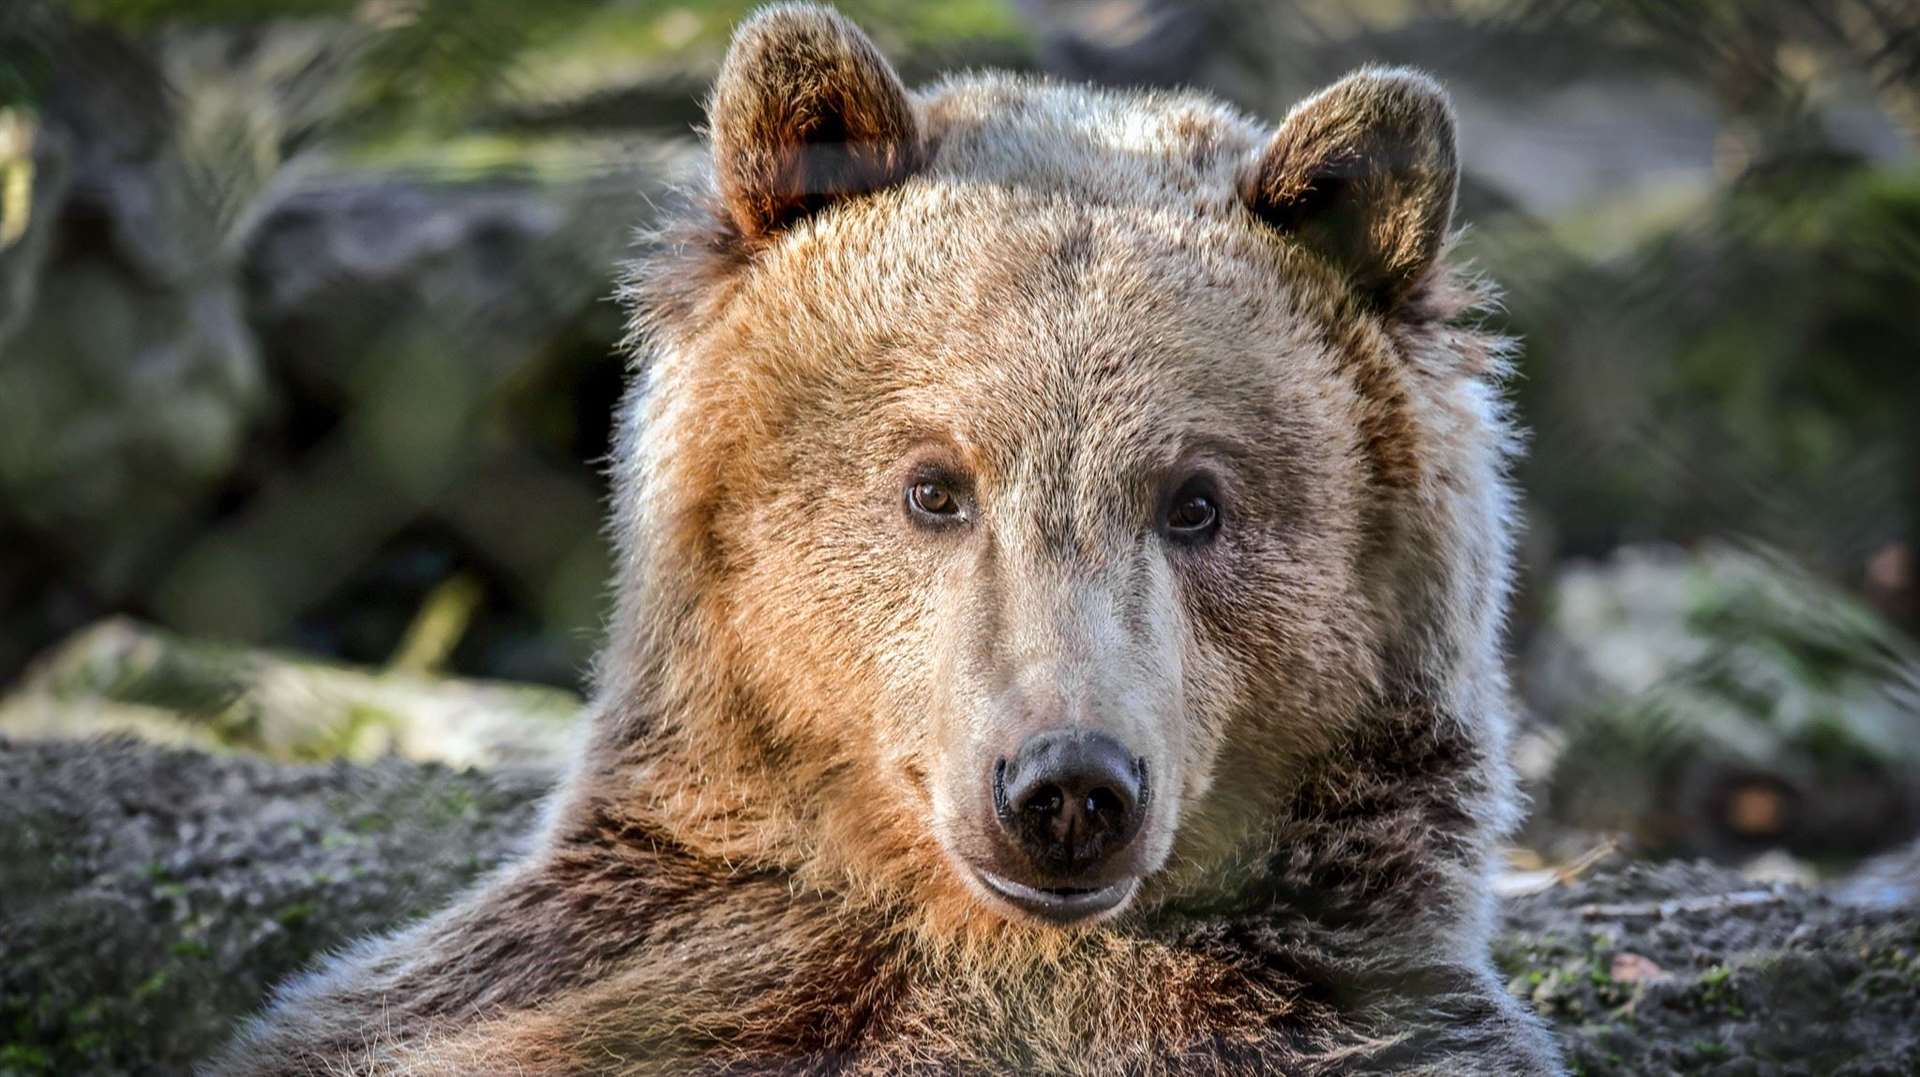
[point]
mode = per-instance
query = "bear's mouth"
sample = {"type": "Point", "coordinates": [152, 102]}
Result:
{"type": "Point", "coordinates": [1062, 904]}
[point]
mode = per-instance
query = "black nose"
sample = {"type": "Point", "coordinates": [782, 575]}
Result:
{"type": "Point", "coordinates": [1070, 799]}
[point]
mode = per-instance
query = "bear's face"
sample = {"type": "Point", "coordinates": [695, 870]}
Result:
{"type": "Point", "coordinates": [1035, 477]}
{"type": "Point", "coordinates": [1062, 478]}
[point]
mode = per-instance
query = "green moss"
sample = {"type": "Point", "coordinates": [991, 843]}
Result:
{"type": "Point", "coordinates": [451, 803]}
{"type": "Point", "coordinates": [295, 915]}
{"type": "Point", "coordinates": [335, 838]}
{"type": "Point", "coordinates": [1710, 1050]}
{"type": "Point", "coordinates": [151, 987]}
{"type": "Point", "coordinates": [376, 822]}
{"type": "Point", "coordinates": [191, 948]}
{"type": "Point", "coordinates": [1715, 991]}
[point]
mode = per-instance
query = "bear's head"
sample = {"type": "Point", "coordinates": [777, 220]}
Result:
{"type": "Point", "coordinates": [1025, 485]}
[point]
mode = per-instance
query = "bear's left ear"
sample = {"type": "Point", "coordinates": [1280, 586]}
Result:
{"type": "Point", "coordinates": [1364, 173]}
{"type": "Point", "coordinates": [806, 111]}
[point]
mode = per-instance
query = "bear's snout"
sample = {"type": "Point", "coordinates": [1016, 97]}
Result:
{"type": "Point", "coordinates": [1070, 800]}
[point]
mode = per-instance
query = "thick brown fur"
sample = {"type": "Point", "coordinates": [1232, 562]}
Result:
{"type": "Point", "coordinates": [759, 860]}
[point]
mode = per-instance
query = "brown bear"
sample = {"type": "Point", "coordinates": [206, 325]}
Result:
{"type": "Point", "coordinates": [1063, 539]}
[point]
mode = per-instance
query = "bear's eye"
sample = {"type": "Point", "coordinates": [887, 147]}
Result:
{"type": "Point", "coordinates": [1193, 515]}
{"type": "Point", "coordinates": [933, 501]}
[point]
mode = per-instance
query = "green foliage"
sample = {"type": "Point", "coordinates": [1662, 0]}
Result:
{"type": "Point", "coordinates": [139, 15]}
{"type": "Point", "coordinates": [1748, 369]}
{"type": "Point", "coordinates": [438, 62]}
{"type": "Point", "coordinates": [1730, 671]}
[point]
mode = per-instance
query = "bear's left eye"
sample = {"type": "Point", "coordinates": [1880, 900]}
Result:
{"type": "Point", "coordinates": [1193, 515]}
{"type": "Point", "coordinates": [933, 502]}
{"type": "Point", "coordinates": [933, 499]}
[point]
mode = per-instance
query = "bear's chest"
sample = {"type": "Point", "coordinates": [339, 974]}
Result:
{"type": "Point", "coordinates": [1137, 1007]}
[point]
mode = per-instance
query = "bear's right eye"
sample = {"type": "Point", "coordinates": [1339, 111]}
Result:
{"type": "Point", "coordinates": [1193, 516]}
{"type": "Point", "coordinates": [933, 501]}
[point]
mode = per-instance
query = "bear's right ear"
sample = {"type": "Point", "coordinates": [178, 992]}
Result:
{"type": "Point", "coordinates": [1364, 174]}
{"type": "Point", "coordinates": [806, 111]}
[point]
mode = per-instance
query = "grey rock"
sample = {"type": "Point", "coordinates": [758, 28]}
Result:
{"type": "Point", "coordinates": [152, 896]}
{"type": "Point", "coordinates": [348, 271]}
{"type": "Point", "coordinates": [1682, 968]}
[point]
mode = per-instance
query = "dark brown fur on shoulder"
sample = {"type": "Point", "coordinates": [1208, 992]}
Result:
{"type": "Point", "coordinates": [1063, 539]}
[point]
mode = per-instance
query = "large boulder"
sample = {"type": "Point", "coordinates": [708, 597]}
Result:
{"type": "Point", "coordinates": [153, 895]}
{"type": "Point", "coordinates": [149, 896]}
{"type": "Point", "coordinates": [1690, 968]}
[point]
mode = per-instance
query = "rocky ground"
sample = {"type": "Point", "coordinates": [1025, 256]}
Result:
{"type": "Point", "coordinates": [148, 897]}
{"type": "Point", "coordinates": [1689, 968]}
{"type": "Point", "coordinates": [151, 896]}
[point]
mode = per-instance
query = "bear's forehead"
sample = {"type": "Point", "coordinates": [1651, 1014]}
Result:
{"type": "Point", "coordinates": [1085, 337]}
{"type": "Point", "coordinates": [1006, 289]}
{"type": "Point", "coordinates": [1082, 143]}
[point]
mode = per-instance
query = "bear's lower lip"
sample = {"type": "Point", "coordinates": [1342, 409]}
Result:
{"type": "Point", "coordinates": [1062, 905]}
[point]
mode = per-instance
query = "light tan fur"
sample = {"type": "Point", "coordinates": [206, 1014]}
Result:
{"type": "Point", "coordinates": [760, 862]}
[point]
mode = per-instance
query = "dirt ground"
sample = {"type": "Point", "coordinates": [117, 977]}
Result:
{"type": "Point", "coordinates": [150, 897]}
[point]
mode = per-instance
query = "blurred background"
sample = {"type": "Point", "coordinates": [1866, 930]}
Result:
{"type": "Point", "coordinates": [308, 362]}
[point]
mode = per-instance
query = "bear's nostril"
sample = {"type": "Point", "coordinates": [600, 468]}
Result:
{"type": "Point", "coordinates": [1103, 805]}
{"type": "Point", "coordinates": [1046, 803]}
